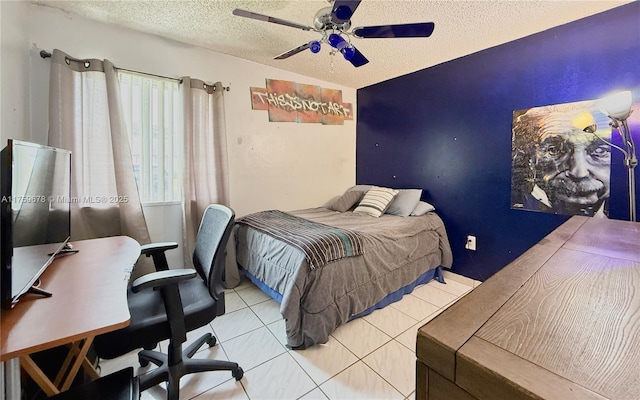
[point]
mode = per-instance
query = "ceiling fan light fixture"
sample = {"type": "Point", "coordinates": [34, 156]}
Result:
{"type": "Point", "coordinates": [315, 46]}
{"type": "Point", "coordinates": [337, 41]}
{"type": "Point", "coordinates": [348, 52]}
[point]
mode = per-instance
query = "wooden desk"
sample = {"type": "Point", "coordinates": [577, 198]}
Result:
{"type": "Point", "coordinates": [89, 298]}
{"type": "Point", "coordinates": [560, 322]}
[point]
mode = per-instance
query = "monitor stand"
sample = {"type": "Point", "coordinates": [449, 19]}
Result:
{"type": "Point", "coordinates": [32, 290]}
{"type": "Point", "coordinates": [40, 292]}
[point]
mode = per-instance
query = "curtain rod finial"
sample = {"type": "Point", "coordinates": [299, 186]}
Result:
{"type": "Point", "coordinates": [221, 87]}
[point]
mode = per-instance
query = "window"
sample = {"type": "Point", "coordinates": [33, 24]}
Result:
{"type": "Point", "coordinates": [151, 106]}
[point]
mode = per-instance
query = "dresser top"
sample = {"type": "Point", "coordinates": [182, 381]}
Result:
{"type": "Point", "coordinates": [561, 321]}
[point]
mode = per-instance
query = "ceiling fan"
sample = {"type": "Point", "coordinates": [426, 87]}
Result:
{"type": "Point", "coordinates": [334, 24]}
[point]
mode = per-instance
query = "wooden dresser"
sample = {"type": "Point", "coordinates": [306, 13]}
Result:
{"type": "Point", "coordinates": [560, 322]}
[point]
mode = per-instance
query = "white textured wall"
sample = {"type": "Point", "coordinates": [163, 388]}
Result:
{"type": "Point", "coordinates": [14, 71]}
{"type": "Point", "coordinates": [272, 165]}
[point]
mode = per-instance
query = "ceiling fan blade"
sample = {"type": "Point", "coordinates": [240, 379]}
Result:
{"type": "Point", "coordinates": [424, 29]}
{"type": "Point", "coordinates": [266, 18]}
{"type": "Point", "coordinates": [343, 10]}
{"type": "Point", "coordinates": [358, 59]}
{"type": "Point", "coordinates": [293, 51]}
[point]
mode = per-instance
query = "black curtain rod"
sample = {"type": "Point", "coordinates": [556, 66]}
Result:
{"type": "Point", "coordinates": [46, 54]}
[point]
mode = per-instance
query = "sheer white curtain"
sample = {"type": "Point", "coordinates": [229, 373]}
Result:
{"type": "Point", "coordinates": [85, 116]}
{"type": "Point", "coordinates": [205, 160]}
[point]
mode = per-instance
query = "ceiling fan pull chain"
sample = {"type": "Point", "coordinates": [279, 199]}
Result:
{"type": "Point", "coordinates": [331, 54]}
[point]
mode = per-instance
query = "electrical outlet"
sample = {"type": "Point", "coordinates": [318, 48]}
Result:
{"type": "Point", "coordinates": [471, 243]}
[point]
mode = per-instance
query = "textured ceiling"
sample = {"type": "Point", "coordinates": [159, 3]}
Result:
{"type": "Point", "coordinates": [461, 27]}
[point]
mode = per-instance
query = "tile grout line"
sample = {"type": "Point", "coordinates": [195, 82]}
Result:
{"type": "Point", "coordinates": [288, 351]}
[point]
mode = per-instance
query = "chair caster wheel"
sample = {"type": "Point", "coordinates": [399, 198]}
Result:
{"type": "Point", "coordinates": [212, 341]}
{"type": "Point", "coordinates": [143, 361]}
{"type": "Point", "coordinates": [238, 373]}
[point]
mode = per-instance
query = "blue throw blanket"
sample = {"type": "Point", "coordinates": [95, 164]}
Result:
{"type": "Point", "coordinates": [320, 243]}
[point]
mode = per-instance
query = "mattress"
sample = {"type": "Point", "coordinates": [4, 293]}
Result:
{"type": "Point", "coordinates": [398, 253]}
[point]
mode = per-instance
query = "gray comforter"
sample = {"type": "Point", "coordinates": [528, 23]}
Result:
{"type": "Point", "coordinates": [397, 250]}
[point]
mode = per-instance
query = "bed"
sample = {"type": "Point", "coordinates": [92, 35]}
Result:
{"type": "Point", "coordinates": [375, 262]}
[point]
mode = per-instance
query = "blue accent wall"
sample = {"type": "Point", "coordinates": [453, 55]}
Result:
{"type": "Point", "coordinates": [447, 129]}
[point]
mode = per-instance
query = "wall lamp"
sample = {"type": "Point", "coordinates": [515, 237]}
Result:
{"type": "Point", "coordinates": [617, 107]}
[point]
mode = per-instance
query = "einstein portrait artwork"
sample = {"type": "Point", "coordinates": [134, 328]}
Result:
{"type": "Point", "coordinates": [560, 164]}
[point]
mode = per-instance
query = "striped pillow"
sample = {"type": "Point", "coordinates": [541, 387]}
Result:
{"type": "Point", "coordinates": [375, 201]}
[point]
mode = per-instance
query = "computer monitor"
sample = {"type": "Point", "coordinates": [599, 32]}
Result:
{"type": "Point", "coordinates": [35, 184]}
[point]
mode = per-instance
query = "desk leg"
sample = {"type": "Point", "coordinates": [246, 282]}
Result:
{"type": "Point", "coordinates": [10, 376]}
{"type": "Point", "coordinates": [38, 376]}
{"type": "Point", "coordinates": [90, 369]}
{"type": "Point", "coordinates": [74, 349]}
{"type": "Point", "coordinates": [82, 355]}
{"type": "Point", "coordinates": [77, 354]}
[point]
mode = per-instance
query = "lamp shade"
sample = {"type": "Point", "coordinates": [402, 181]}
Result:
{"type": "Point", "coordinates": [616, 105]}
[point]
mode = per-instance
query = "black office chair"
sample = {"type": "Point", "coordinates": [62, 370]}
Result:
{"type": "Point", "coordinates": [176, 305]}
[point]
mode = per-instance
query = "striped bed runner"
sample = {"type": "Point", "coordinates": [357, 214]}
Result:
{"type": "Point", "coordinates": [320, 243]}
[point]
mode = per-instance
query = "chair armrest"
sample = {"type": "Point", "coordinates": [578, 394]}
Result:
{"type": "Point", "coordinates": [160, 279]}
{"type": "Point", "coordinates": [157, 252]}
{"type": "Point", "coordinates": [149, 249]}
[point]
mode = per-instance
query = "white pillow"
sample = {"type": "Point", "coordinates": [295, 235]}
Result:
{"type": "Point", "coordinates": [422, 208]}
{"type": "Point", "coordinates": [405, 202]}
{"type": "Point", "coordinates": [375, 201]}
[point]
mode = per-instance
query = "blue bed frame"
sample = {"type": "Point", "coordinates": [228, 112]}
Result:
{"type": "Point", "coordinates": [435, 273]}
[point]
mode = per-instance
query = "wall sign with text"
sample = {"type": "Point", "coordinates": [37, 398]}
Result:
{"type": "Point", "coordinates": [288, 101]}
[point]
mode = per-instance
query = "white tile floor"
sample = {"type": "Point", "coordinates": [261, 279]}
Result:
{"type": "Point", "coordinates": [369, 358]}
